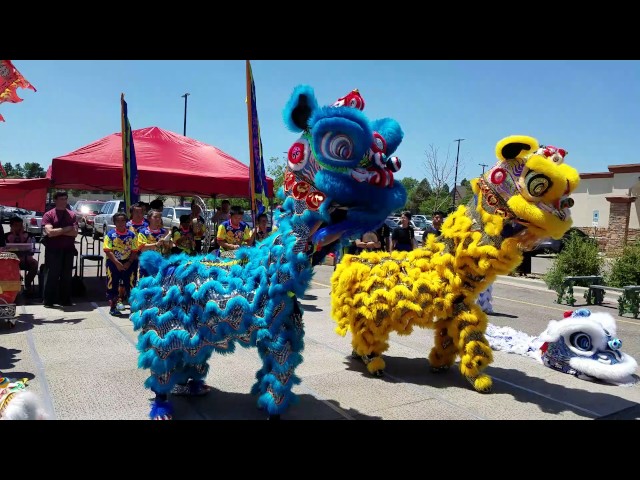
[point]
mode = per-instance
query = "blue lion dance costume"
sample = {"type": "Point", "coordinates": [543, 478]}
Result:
{"type": "Point", "coordinates": [338, 183]}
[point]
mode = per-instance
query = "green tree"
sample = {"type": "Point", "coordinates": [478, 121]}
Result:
{"type": "Point", "coordinates": [34, 170]}
{"type": "Point", "coordinates": [577, 258]}
{"type": "Point", "coordinates": [625, 270]}
{"type": "Point", "coordinates": [8, 168]}
{"type": "Point", "coordinates": [409, 184]}
{"type": "Point", "coordinates": [276, 170]}
{"type": "Point", "coordinates": [468, 195]}
{"type": "Point", "coordinates": [16, 172]}
{"type": "Point", "coordinates": [418, 196]}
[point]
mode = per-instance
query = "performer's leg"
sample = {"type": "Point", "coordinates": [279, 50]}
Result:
{"type": "Point", "coordinates": [443, 354]}
{"type": "Point", "coordinates": [196, 385]}
{"type": "Point", "coordinates": [280, 356]}
{"type": "Point", "coordinates": [161, 408]}
{"type": "Point", "coordinates": [113, 280]}
{"type": "Point", "coordinates": [369, 346]}
{"type": "Point", "coordinates": [130, 277]}
{"type": "Point", "coordinates": [32, 270]}
{"type": "Point", "coordinates": [476, 354]}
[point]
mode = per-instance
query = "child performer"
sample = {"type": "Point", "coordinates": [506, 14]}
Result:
{"type": "Point", "coordinates": [121, 249]}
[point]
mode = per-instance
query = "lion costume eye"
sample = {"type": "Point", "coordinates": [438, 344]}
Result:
{"type": "Point", "coordinates": [298, 154]}
{"type": "Point", "coordinates": [581, 341]}
{"type": "Point", "coordinates": [336, 146]}
{"type": "Point", "coordinates": [537, 184]}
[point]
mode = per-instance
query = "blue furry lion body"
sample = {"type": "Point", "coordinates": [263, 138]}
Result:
{"type": "Point", "coordinates": [190, 306]}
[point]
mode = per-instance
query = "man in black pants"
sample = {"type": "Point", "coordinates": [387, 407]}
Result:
{"type": "Point", "coordinates": [60, 227]}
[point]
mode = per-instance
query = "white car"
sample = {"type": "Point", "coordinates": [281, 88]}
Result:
{"type": "Point", "coordinates": [171, 216]}
{"type": "Point", "coordinates": [103, 222]}
{"type": "Point", "coordinates": [32, 222]}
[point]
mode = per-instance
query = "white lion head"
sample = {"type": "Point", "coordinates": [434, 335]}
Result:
{"type": "Point", "coordinates": [585, 345]}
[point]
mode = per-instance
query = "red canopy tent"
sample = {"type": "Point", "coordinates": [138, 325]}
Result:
{"type": "Point", "coordinates": [27, 193]}
{"type": "Point", "coordinates": [168, 164]}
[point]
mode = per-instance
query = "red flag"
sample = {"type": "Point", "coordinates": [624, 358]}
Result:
{"type": "Point", "coordinates": [10, 80]}
{"type": "Point", "coordinates": [2, 171]}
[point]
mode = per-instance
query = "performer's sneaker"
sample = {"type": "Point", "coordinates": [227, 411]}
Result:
{"type": "Point", "coordinates": [199, 388]}
{"type": "Point", "coordinates": [181, 390]}
{"type": "Point", "coordinates": [114, 312]}
{"type": "Point", "coordinates": [194, 388]}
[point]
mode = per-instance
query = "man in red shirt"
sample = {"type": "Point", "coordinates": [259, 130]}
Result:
{"type": "Point", "coordinates": [60, 227]}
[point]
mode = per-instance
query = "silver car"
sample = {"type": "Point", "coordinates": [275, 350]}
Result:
{"type": "Point", "coordinates": [33, 223]}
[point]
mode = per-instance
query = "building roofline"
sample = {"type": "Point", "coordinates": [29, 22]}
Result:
{"type": "Point", "coordinates": [596, 175]}
{"type": "Point", "coordinates": [628, 168]}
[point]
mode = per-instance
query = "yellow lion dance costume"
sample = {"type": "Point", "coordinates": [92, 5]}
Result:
{"type": "Point", "coordinates": [523, 199]}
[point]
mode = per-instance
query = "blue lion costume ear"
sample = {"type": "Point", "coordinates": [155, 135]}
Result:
{"type": "Point", "coordinates": [299, 108]}
{"type": "Point", "coordinates": [390, 130]}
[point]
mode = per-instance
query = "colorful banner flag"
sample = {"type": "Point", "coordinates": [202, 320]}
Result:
{"type": "Point", "coordinates": [10, 80]}
{"type": "Point", "coordinates": [130, 178]}
{"type": "Point", "coordinates": [257, 174]}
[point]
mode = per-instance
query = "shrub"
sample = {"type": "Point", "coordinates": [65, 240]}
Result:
{"type": "Point", "coordinates": [577, 258]}
{"type": "Point", "coordinates": [625, 270]}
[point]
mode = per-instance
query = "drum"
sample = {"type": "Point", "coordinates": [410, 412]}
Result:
{"type": "Point", "coordinates": [9, 277]}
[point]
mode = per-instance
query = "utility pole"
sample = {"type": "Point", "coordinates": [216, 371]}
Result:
{"type": "Point", "coordinates": [483, 165]}
{"type": "Point", "coordinates": [184, 131]}
{"type": "Point", "coordinates": [455, 179]}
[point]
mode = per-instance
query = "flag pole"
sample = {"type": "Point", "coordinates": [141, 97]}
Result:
{"type": "Point", "coordinates": [252, 183]}
{"type": "Point", "coordinates": [124, 153]}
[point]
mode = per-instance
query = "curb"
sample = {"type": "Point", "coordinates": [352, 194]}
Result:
{"type": "Point", "coordinates": [539, 285]}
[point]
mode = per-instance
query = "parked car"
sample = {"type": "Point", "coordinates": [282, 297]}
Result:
{"type": "Point", "coordinates": [86, 211]}
{"type": "Point", "coordinates": [550, 245]}
{"type": "Point", "coordinates": [32, 222]}
{"type": "Point", "coordinates": [7, 212]}
{"type": "Point", "coordinates": [171, 216]}
{"type": "Point", "coordinates": [103, 222]}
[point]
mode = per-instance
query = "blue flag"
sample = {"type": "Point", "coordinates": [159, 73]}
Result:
{"type": "Point", "coordinates": [130, 178]}
{"type": "Point", "coordinates": [257, 174]}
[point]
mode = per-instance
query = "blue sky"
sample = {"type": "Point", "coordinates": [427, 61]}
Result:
{"type": "Point", "coordinates": [590, 108]}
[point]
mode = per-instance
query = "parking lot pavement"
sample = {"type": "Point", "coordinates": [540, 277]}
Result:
{"type": "Point", "coordinates": [82, 362]}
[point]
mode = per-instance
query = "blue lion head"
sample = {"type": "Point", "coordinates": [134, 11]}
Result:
{"type": "Point", "coordinates": [342, 166]}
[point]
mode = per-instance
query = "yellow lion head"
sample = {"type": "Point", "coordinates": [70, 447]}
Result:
{"type": "Point", "coordinates": [530, 187]}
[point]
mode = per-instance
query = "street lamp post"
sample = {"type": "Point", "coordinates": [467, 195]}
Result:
{"type": "Point", "coordinates": [184, 132]}
{"type": "Point", "coordinates": [455, 179]}
{"type": "Point", "coordinates": [483, 165]}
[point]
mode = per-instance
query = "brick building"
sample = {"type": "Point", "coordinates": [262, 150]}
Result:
{"type": "Point", "coordinates": [611, 199]}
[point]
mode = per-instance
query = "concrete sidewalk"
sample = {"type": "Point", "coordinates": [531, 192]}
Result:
{"type": "Point", "coordinates": [82, 362]}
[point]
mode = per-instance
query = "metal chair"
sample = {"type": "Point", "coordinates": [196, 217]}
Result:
{"type": "Point", "coordinates": [89, 252]}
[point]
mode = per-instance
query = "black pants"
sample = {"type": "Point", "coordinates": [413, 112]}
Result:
{"type": "Point", "coordinates": [59, 271]}
{"type": "Point", "coordinates": [525, 267]}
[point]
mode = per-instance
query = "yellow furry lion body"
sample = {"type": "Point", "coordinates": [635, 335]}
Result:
{"type": "Point", "coordinates": [521, 200]}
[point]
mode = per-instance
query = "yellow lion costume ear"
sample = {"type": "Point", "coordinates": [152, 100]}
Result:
{"type": "Point", "coordinates": [516, 147]}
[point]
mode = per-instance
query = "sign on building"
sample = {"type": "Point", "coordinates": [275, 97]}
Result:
{"type": "Point", "coordinates": [596, 218]}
